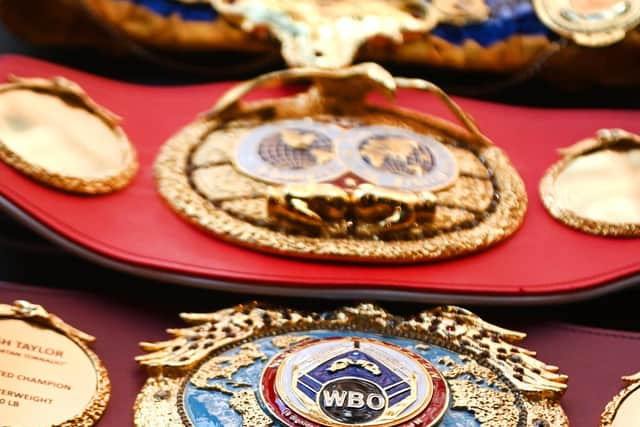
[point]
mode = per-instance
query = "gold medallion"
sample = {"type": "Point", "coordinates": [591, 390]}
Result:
{"type": "Point", "coordinates": [593, 23]}
{"type": "Point", "coordinates": [594, 187]}
{"type": "Point", "coordinates": [255, 366]}
{"type": "Point", "coordinates": [624, 409]}
{"type": "Point", "coordinates": [53, 132]}
{"type": "Point", "coordinates": [328, 34]}
{"type": "Point", "coordinates": [48, 374]}
{"type": "Point", "coordinates": [326, 174]}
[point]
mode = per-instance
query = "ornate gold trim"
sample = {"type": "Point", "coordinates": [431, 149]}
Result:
{"type": "Point", "coordinates": [604, 138]}
{"type": "Point", "coordinates": [28, 312]}
{"type": "Point", "coordinates": [494, 353]}
{"type": "Point", "coordinates": [338, 94]}
{"type": "Point", "coordinates": [59, 86]}
{"type": "Point", "coordinates": [329, 34]}
{"type": "Point", "coordinates": [609, 414]}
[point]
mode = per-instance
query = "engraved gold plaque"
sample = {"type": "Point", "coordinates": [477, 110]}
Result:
{"type": "Point", "coordinates": [592, 23]}
{"type": "Point", "coordinates": [52, 131]}
{"type": "Point", "coordinates": [48, 374]}
{"type": "Point", "coordinates": [594, 187]}
{"type": "Point", "coordinates": [253, 365]}
{"type": "Point", "coordinates": [624, 408]}
{"type": "Point", "coordinates": [327, 174]}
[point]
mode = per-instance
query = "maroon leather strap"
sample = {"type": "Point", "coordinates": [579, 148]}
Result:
{"type": "Point", "coordinates": [594, 359]}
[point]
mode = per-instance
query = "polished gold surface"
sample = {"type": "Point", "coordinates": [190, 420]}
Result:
{"type": "Point", "coordinates": [50, 130]}
{"type": "Point", "coordinates": [328, 34]}
{"type": "Point", "coordinates": [593, 23]}
{"type": "Point", "coordinates": [192, 355]}
{"type": "Point", "coordinates": [453, 192]}
{"type": "Point", "coordinates": [54, 378]}
{"type": "Point", "coordinates": [48, 375]}
{"type": "Point", "coordinates": [624, 408]}
{"type": "Point", "coordinates": [596, 185]}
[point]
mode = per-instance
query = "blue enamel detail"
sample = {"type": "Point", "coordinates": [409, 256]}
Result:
{"type": "Point", "coordinates": [508, 18]}
{"type": "Point", "coordinates": [188, 12]}
{"type": "Point", "coordinates": [207, 408]}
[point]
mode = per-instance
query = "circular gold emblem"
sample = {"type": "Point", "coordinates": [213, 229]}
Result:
{"type": "Point", "coordinates": [590, 22]}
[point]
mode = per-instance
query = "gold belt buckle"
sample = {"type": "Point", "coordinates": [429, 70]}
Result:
{"type": "Point", "coordinates": [328, 174]}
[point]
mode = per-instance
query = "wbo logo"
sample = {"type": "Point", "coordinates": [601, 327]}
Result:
{"type": "Point", "coordinates": [341, 382]}
{"type": "Point", "coordinates": [355, 387]}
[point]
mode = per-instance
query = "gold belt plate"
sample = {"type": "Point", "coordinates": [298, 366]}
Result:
{"type": "Point", "coordinates": [327, 174]}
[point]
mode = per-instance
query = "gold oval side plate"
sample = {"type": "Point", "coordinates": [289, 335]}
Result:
{"type": "Point", "coordinates": [594, 187]}
{"type": "Point", "coordinates": [49, 377]}
{"type": "Point", "coordinates": [53, 132]}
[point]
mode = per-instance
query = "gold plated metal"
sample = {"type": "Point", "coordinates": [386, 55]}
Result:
{"type": "Point", "coordinates": [327, 174]}
{"type": "Point", "coordinates": [593, 23]}
{"type": "Point", "coordinates": [328, 34]}
{"type": "Point", "coordinates": [48, 374]}
{"type": "Point", "coordinates": [230, 365]}
{"type": "Point", "coordinates": [52, 131]}
{"type": "Point", "coordinates": [594, 186]}
{"type": "Point", "coordinates": [624, 408]}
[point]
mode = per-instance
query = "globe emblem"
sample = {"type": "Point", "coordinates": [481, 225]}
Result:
{"type": "Point", "coordinates": [296, 149]}
{"type": "Point", "coordinates": [397, 154]}
{"type": "Point", "coordinates": [290, 151]}
{"type": "Point", "coordinates": [398, 158]}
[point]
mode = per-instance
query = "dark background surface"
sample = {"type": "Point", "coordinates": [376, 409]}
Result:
{"type": "Point", "coordinates": [28, 259]}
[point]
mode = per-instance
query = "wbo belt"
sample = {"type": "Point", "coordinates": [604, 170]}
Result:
{"type": "Point", "coordinates": [357, 366]}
